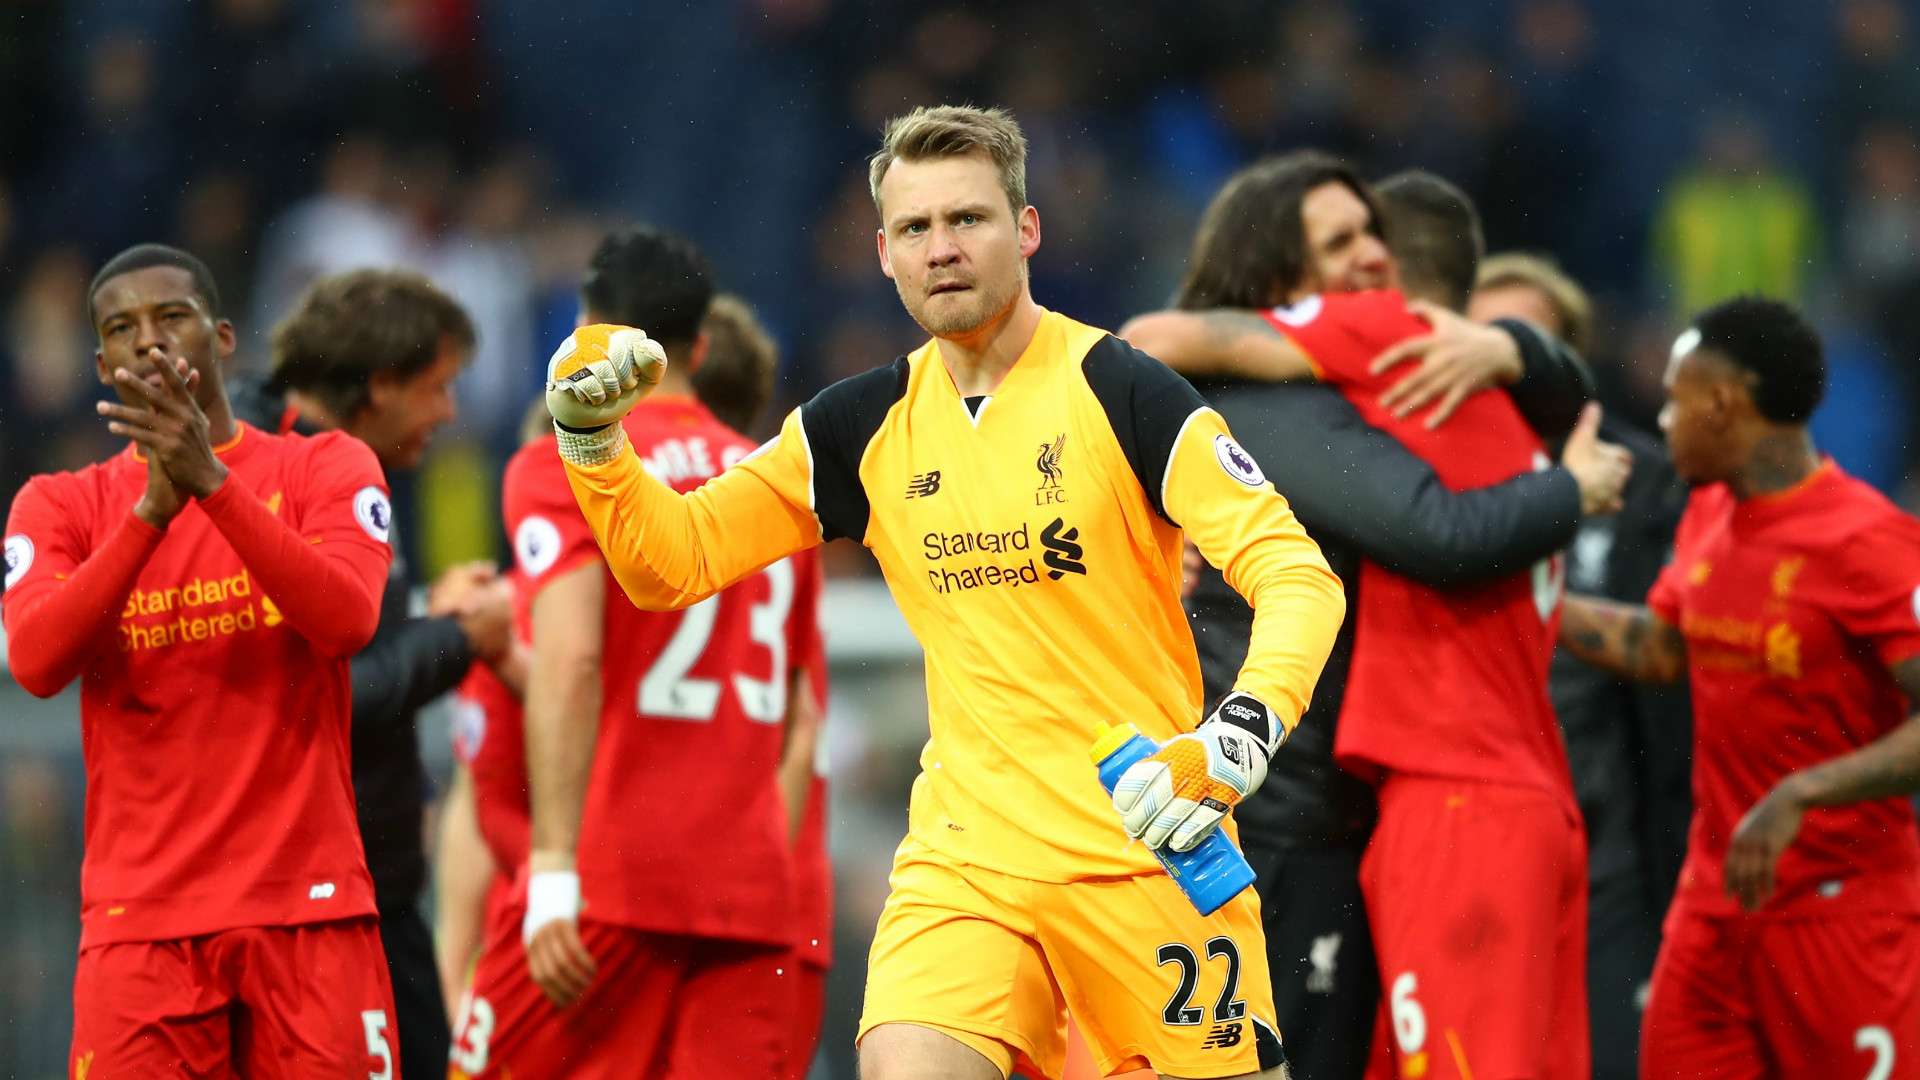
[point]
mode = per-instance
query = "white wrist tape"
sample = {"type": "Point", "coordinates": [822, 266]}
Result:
{"type": "Point", "coordinates": [595, 447]}
{"type": "Point", "coordinates": [551, 894]}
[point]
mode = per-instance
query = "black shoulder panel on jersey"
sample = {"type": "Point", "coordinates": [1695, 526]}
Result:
{"type": "Point", "coordinates": [840, 421]}
{"type": "Point", "coordinates": [1146, 404]}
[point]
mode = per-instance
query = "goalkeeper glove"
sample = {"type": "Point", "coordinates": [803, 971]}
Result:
{"type": "Point", "coordinates": [1177, 795]}
{"type": "Point", "coordinates": [597, 375]}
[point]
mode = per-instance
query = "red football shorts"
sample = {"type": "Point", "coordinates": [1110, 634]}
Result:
{"type": "Point", "coordinates": [808, 1003]}
{"type": "Point", "coordinates": [1736, 998]}
{"type": "Point", "coordinates": [281, 1001]}
{"type": "Point", "coordinates": [661, 1006]}
{"type": "Point", "coordinates": [1477, 894]}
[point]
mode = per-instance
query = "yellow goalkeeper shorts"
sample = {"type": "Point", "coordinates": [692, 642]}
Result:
{"type": "Point", "coordinates": [997, 961]}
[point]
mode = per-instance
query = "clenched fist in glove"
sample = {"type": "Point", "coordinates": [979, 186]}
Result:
{"type": "Point", "coordinates": [597, 375]}
{"type": "Point", "coordinates": [1177, 795]}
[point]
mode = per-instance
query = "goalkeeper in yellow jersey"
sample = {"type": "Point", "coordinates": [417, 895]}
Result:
{"type": "Point", "coordinates": [1023, 480]}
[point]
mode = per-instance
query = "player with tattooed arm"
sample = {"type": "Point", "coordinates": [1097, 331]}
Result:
{"type": "Point", "coordinates": [1792, 947]}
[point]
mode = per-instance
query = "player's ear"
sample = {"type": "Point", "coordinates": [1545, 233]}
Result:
{"type": "Point", "coordinates": [100, 368]}
{"type": "Point", "coordinates": [383, 389]}
{"type": "Point", "coordinates": [1029, 231]}
{"type": "Point", "coordinates": [1731, 399]}
{"type": "Point", "coordinates": [880, 243]}
{"type": "Point", "coordinates": [225, 341]}
{"type": "Point", "coordinates": [697, 352]}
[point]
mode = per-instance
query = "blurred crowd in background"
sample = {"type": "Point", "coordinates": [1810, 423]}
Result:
{"type": "Point", "coordinates": [1668, 155]}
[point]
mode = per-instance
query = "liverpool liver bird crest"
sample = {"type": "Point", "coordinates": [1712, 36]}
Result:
{"type": "Point", "coordinates": [1049, 462]}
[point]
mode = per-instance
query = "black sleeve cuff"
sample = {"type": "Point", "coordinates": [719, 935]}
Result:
{"type": "Point", "coordinates": [1555, 383]}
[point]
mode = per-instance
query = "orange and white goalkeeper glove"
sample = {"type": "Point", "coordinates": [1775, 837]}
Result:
{"type": "Point", "coordinates": [594, 378]}
{"type": "Point", "coordinates": [1178, 794]}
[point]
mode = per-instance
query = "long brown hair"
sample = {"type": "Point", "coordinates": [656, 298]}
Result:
{"type": "Point", "coordinates": [1251, 247]}
{"type": "Point", "coordinates": [353, 326]}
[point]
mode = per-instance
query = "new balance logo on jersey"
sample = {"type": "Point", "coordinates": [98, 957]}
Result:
{"type": "Point", "coordinates": [923, 485]}
{"type": "Point", "coordinates": [1063, 555]}
{"type": "Point", "coordinates": [322, 891]}
{"type": "Point", "coordinates": [1222, 1037]}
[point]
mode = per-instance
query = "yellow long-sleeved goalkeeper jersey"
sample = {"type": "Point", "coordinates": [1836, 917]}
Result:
{"type": "Point", "coordinates": [1034, 549]}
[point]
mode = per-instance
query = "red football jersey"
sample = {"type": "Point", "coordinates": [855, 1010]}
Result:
{"type": "Point", "coordinates": [1794, 605]}
{"type": "Point", "coordinates": [1445, 682]}
{"type": "Point", "coordinates": [215, 730]}
{"type": "Point", "coordinates": [489, 740]}
{"type": "Point", "coordinates": [669, 842]}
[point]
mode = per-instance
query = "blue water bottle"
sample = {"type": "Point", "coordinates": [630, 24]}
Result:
{"type": "Point", "coordinates": [1212, 873]}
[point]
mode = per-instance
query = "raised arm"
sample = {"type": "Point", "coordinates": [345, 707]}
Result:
{"type": "Point", "coordinates": [1554, 381]}
{"type": "Point", "coordinates": [325, 575]}
{"type": "Point", "coordinates": [669, 550]}
{"type": "Point", "coordinates": [1355, 483]}
{"type": "Point", "coordinates": [802, 488]}
{"type": "Point", "coordinates": [1223, 343]}
{"type": "Point", "coordinates": [1546, 379]}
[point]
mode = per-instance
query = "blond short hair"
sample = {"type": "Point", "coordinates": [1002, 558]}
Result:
{"type": "Point", "coordinates": [1570, 303]}
{"type": "Point", "coordinates": [942, 131]}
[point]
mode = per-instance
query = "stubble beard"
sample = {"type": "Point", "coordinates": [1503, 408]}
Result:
{"type": "Point", "coordinates": [961, 319]}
